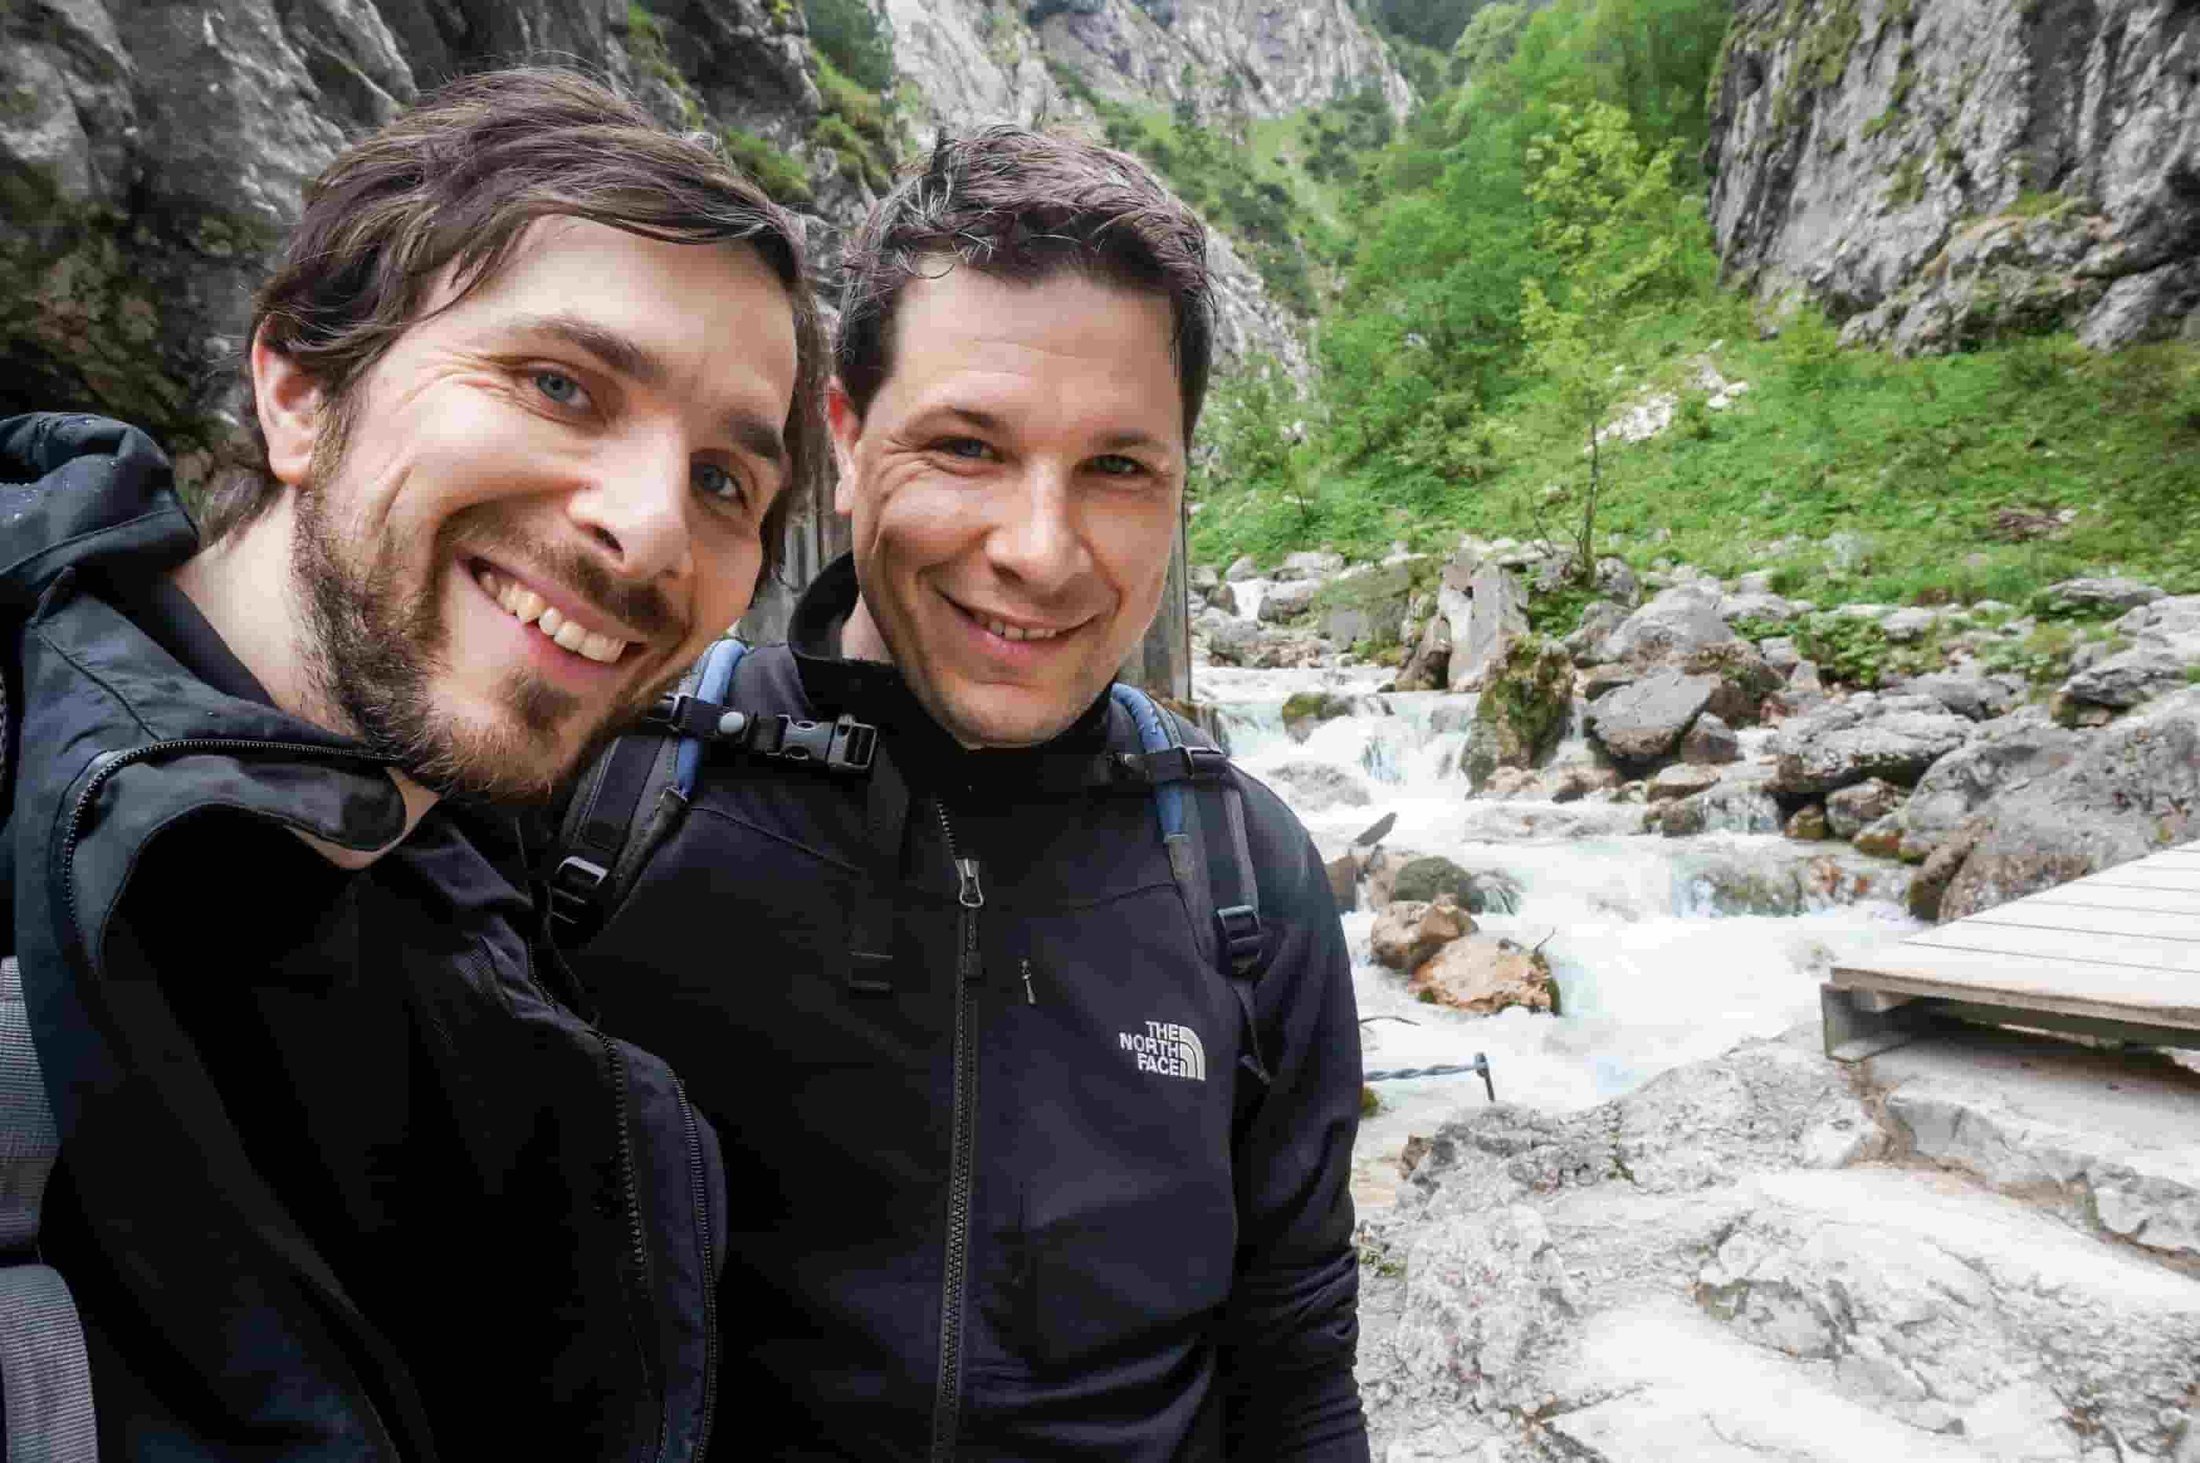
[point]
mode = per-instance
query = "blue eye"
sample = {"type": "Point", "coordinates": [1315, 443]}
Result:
{"type": "Point", "coordinates": [560, 388]}
{"type": "Point", "coordinates": [968, 448]}
{"type": "Point", "coordinates": [713, 481]}
{"type": "Point", "coordinates": [1116, 465]}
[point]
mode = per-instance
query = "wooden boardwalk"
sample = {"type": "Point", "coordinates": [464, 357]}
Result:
{"type": "Point", "coordinates": [2115, 954]}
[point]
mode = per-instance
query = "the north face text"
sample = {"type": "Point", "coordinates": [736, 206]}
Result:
{"type": "Point", "coordinates": [1167, 1048]}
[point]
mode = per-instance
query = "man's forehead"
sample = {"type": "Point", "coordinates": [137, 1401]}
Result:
{"type": "Point", "coordinates": [969, 331]}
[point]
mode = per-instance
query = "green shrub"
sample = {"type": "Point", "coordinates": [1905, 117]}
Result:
{"type": "Point", "coordinates": [848, 35]}
{"type": "Point", "coordinates": [772, 169]}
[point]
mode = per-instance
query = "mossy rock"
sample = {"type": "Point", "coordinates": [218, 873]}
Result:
{"type": "Point", "coordinates": [1306, 710]}
{"type": "Point", "coordinates": [1522, 709]}
{"type": "Point", "coordinates": [1432, 875]}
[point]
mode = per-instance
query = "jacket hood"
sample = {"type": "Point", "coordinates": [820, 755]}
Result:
{"type": "Point", "coordinates": [87, 493]}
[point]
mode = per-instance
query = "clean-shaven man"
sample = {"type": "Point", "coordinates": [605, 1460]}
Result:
{"type": "Point", "coordinates": [340, 1178]}
{"type": "Point", "coordinates": [1018, 1178]}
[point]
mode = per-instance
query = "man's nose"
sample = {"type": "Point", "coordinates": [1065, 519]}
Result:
{"type": "Point", "coordinates": [1040, 540]}
{"type": "Point", "coordinates": [635, 507]}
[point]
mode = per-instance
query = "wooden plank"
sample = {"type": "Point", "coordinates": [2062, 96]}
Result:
{"type": "Point", "coordinates": [2145, 874]}
{"type": "Point", "coordinates": [2092, 896]}
{"type": "Point", "coordinates": [2167, 960]}
{"type": "Point", "coordinates": [2075, 988]}
{"type": "Point", "coordinates": [2031, 914]}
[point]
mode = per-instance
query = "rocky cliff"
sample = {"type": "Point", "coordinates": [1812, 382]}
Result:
{"type": "Point", "coordinates": [151, 153]}
{"type": "Point", "coordinates": [1939, 174]}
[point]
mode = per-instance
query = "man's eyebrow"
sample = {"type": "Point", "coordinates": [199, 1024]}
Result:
{"type": "Point", "coordinates": [622, 353]}
{"type": "Point", "coordinates": [1131, 437]}
{"type": "Point", "coordinates": [755, 435]}
{"type": "Point", "coordinates": [986, 421]}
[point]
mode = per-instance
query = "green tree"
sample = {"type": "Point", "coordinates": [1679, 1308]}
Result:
{"type": "Point", "coordinates": [1609, 224]}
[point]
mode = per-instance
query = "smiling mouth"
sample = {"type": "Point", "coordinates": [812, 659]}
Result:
{"type": "Point", "coordinates": [1017, 633]}
{"type": "Point", "coordinates": [530, 608]}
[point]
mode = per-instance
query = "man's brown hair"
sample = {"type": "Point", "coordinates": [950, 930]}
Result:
{"type": "Point", "coordinates": [450, 186]}
{"type": "Point", "coordinates": [1023, 205]}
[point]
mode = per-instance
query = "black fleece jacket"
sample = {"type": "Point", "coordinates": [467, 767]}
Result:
{"type": "Point", "coordinates": [1007, 1195]}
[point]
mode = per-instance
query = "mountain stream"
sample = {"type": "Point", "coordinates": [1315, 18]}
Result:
{"type": "Point", "coordinates": [1665, 950]}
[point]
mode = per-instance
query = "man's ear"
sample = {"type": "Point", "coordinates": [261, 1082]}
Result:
{"type": "Point", "coordinates": [846, 425]}
{"type": "Point", "coordinates": [288, 400]}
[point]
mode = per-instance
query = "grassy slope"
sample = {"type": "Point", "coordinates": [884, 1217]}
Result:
{"type": "Point", "coordinates": [1910, 460]}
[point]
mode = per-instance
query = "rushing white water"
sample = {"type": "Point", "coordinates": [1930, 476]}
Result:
{"type": "Point", "coordinates": [1653, 971]}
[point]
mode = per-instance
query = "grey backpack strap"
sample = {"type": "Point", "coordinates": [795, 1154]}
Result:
{"type": "Point", "coordinates": [44, 1378]}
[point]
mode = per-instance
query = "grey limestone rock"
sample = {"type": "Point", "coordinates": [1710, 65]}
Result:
{"type": "Point", "coordinates": [1483, 629]}
{"type": "Point", "coordinates": [1710, 742]}
{"type": "Point", "coordinates": [1895, 162]}
{"type": "Point", "coordinates": [2133, 788]}
{"type": "Point", "coordinates": [1644, 720]}
{"type": "Point", "coordinates": [1847, 743]}
{"type": "Point", "coordinates": [1978, 697]}
{"type": "Point", "coordinates": [1849, 808]}
{"type": "Point", "coordinates": [1287, 600]}
{"type": "Point", "coordinates": [1679, 621]}
{"type": "Point", "coordinates": [1242, 568]}
{"type": "Point", "coordinates": [2095, 595]}
{"type": "Point", "coordinates": [1316, 564]}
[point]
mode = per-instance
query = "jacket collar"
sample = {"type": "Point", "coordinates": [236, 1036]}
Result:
{"type": "Point", "coordinates": [877, 693]}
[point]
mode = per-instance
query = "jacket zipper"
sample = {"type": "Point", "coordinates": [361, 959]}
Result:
{"type": "Point", "coordinates": [699, 1194]}
{"type": "Point", "coordinates": [107, 764]}
{"type": "Point", "coordinates": [970, 895]}
{"type": "Point", "coordinates": [630, 1191]}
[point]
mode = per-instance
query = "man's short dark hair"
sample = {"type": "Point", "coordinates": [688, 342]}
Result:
{"type": "Point", "coordinates": [451, 185]}
{"type": "Point", "coordinates": [1024, 205]}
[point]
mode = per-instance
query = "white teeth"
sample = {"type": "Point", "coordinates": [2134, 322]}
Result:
{"type": "Point", "coordinates": [1014, 632]}
{"type": "Point", "coordinates": [529, 608]}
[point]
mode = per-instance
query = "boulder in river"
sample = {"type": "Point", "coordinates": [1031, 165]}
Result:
{"type": "Point", "coordinates": [1288, 601]}
{"type": "Point", "coordinates": [1395, 874]}
{"type": "Point", "coordinates": [1315, 786]}
{"type": "Point", "coordinates": [1496, 616]}
{"type": "Point", "coordinates": [1643, 721]}
{"type": "Point", "coordinates": [1853, 740]}
{"type": "Point", "coordinates": [1428, 667]}
{"type": "Point", "coordinates": [2133, 789]}
{"type": "Point", "coordinates": [1484, 974]}
{"type": "Point", "coordinates": [2007, 753]}
{"type": "Point", "coordinates": [1679, 621]}
{"type": "Point", "coordinates": [1710, 742]}
{"type": "Point", "coordinates": [1789, 882]}
{"type": "Point", "coordinates": [1745, 679]}
{"type": "Point", "coordinates": [1808, 824]}
{"type": "Point", "coordinates": [1881, 838]}
{"type": "Point", "coordinates": [1849, 808]}
{"type": "Point", "coordinates": [1408, 932]}
{"type": "Point", "coordinates": [1305, 710]}
{"type": "Point", "coordinates": [1243, 567]}
{"type": "Point", "coordinates": [1680, 780]}
{"type": "Point", "coordinates": [1522, 708]}
{"type": "Point", "coordinates": [1735, 807]}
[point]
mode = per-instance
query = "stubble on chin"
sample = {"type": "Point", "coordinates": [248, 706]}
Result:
{"type": "Point", "coordinates": [375, 648]}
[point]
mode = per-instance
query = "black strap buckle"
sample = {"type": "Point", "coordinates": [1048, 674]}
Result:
{"type": "Point", "coordinates": [691, 716]}
{"type": "Point", "coordinates": [1239, 928]}
{"type": "Point", "coordinates": [572, 888]}
{"type": "Point", "coordinates": [841, 745]}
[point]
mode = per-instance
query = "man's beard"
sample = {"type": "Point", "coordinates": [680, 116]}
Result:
{"type": "Point", "coordinates": [374, 650]}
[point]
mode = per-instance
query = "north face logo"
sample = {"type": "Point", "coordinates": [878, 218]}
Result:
{"type": "Point", "coordinates": [1167, 1048]}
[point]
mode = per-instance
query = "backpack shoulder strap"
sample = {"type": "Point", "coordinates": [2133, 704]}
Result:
{"type": "Point", "coordinates": [626, 804]}
{"type": "Point", "coordinates": [1202, 822]}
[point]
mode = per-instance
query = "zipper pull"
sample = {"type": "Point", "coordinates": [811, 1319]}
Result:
{"type": "Point", "coordinates": [971, 895]}
{"type": "Point", "coordinates": [1029, 998]}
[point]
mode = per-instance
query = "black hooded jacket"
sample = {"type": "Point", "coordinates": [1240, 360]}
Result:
{"type": "Point", "coordinates": [1007, 1194]}
{"type": "Point", "coordinates": [338, 1179]}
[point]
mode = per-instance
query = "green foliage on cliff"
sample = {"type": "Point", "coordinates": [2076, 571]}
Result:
{"type": "Point", "coordinates": [1529, 254]}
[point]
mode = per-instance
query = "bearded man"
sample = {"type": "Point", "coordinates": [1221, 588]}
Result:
{"type": "Point", "coordinates": [339, 1176]}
